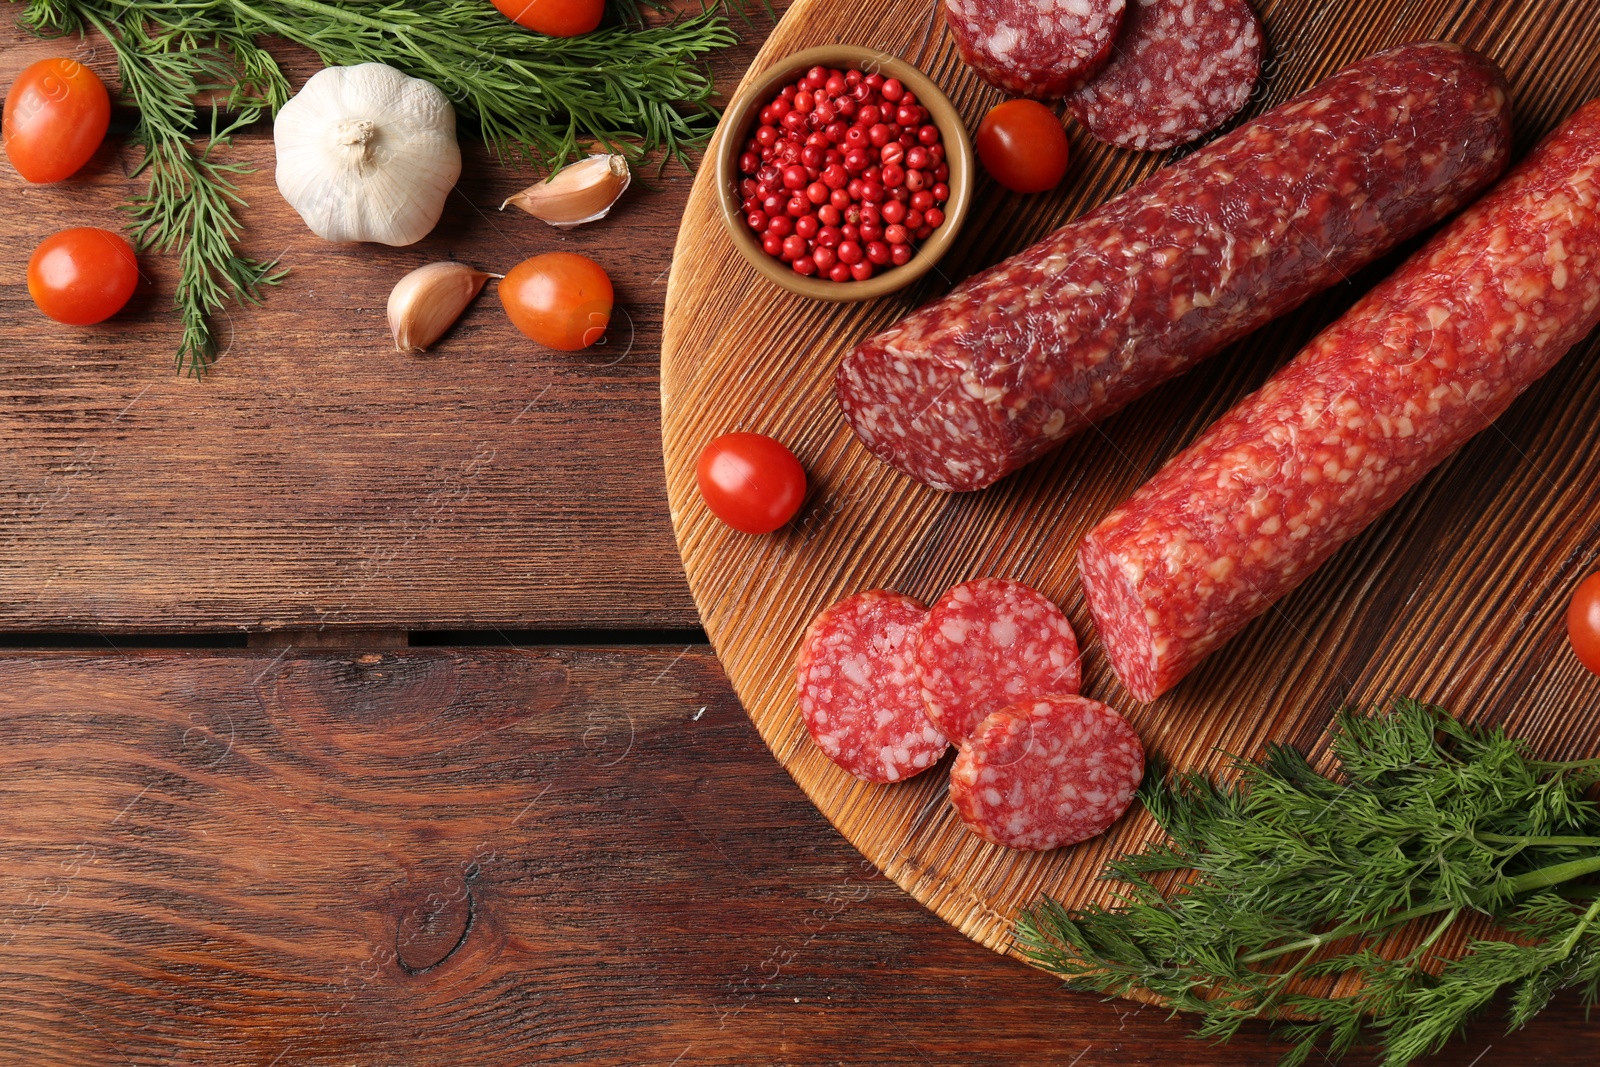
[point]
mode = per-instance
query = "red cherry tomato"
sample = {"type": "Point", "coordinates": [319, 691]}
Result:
{"type": "Point", "coordinates": [560, 299]}
{"type": "Point", "coordinates": [751, 482]}
{"type": "Point", "coordinates": [1023, 146]}
{"type": "Point", "coordinates": [1583, 622]}
{"type": "Point", "coordinates": [557, 18]}
{"type": "Point", "coordinates": [56, 116]}
{"type": "Point", "coordinates": [82, 276]}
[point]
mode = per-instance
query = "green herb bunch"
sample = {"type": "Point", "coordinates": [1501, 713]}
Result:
{"type": "Point", "coordinates": [634, 89]}
{"type": "Point", "coordinates": [1282, 875]}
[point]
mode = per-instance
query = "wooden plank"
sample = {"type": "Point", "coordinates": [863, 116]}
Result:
{"type": "Point", "coordinates": [485, 856]}
{"type": "Point", "coordinates": [318, 478]}
{"type": "Point", "coordinates": [1456, 596]}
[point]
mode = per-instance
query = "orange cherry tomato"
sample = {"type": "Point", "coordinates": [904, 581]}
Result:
{"type": "Point", "coordinates": [750, 481]}
{"type": "Point", "coordinates": [1583, 622]}
{"type": "Point", "coordinates": [82, 276]}
{"type": "Point", "coordinates": [558, 18]}
{"type": "Point", "coordinates": [57, 113]}
{"type": "Point", "coordinates": [560, 299]}
{"type": "Point", "coordinates": [1023, 146]}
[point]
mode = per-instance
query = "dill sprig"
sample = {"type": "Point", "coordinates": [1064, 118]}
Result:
{"type": "Point", "coordinates": [631, 88]}
{"type": "Point", "coordinates": [1281, 875]}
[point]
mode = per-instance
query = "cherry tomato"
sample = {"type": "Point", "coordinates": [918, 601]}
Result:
{"type": "Point", "coordinates": [560, 299]}
{"type": "Point", "coordinates": [750, 482]}
{"type": "Point", "coordinates": [82, 276]}
{"type": "Point", "coordinates": [1023, 145]}
{"type": "Point", "coordinates": [56, 116]}
{"type": "Point", "coordinates": [558, 18]}
{"type": "Point", "coordinates": [1583, 622]}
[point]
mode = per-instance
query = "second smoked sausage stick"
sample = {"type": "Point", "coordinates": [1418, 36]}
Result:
{"type": "Point", "coordinates": [1015, 359]}
{"type": "Point", "coordinates": [1418, 366]}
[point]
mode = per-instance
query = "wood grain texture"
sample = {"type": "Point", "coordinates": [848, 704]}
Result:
{"type": "Point", "coordinates": [1455, 597]}
{"type": "Point", "coordinates": [316, 477]}
{"type": "Point", "coordinates": [362, 859]}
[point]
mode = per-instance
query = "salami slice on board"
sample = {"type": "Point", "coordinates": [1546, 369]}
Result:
{"type": "Point", "coordinates": [858, 687]}
{"type": "Point", "coordinates": [1181, 69]}
{"type": "Point", "coordinates": [988, 644]}
{"type": "Point", "coordinates": [1039, 48]}
{"type": "Point", "coordinates": [1408, 375]}
{"type": "Point", "coordinates": [1019, 357]}
{"type": "Point", "coordinates": [1046, 773]}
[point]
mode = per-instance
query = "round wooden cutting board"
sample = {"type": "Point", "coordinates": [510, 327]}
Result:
{"type": "Point", "coordinates": [1455, 597]}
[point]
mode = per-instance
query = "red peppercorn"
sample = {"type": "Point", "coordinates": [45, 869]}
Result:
{"type": "Point", "coordinates": [842, 173]}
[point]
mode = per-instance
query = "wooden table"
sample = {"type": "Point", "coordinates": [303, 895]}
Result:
{"type": "Point", "coordinates": [354, 709]}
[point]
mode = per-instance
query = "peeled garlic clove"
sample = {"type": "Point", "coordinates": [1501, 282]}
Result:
{"type": "Point", "coordinates": [428, 301]}
{"type": "Point", "coordinates": [583, 192]}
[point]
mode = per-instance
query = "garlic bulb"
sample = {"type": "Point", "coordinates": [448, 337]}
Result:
{"type": "Point", "coordinates": [428, 301]}
{"type": "Point", "coordinates": [583, 192]}
{"type": "Point", "coordinates": [367, 154]}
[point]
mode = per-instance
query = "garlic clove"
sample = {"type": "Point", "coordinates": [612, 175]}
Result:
{"type": "Point", "coordinates": [583, 192]}
{"type": "Point", "coordinates": [428, 301]}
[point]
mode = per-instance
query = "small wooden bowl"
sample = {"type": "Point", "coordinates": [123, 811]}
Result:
{"type": "Point", "coordinates": [741, 115]}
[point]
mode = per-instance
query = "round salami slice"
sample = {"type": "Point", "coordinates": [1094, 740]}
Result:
{"type": "Point", "coordinates": [1182, 68]}
{"type": "Point", "coordinates": [858, 687]}
{"type": "Point", "coordinates": [988, 644]}
{"type": "Point", "coordinates": [1046, 773]}
{"type": "Point", "coordinates": [1040, 48]}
